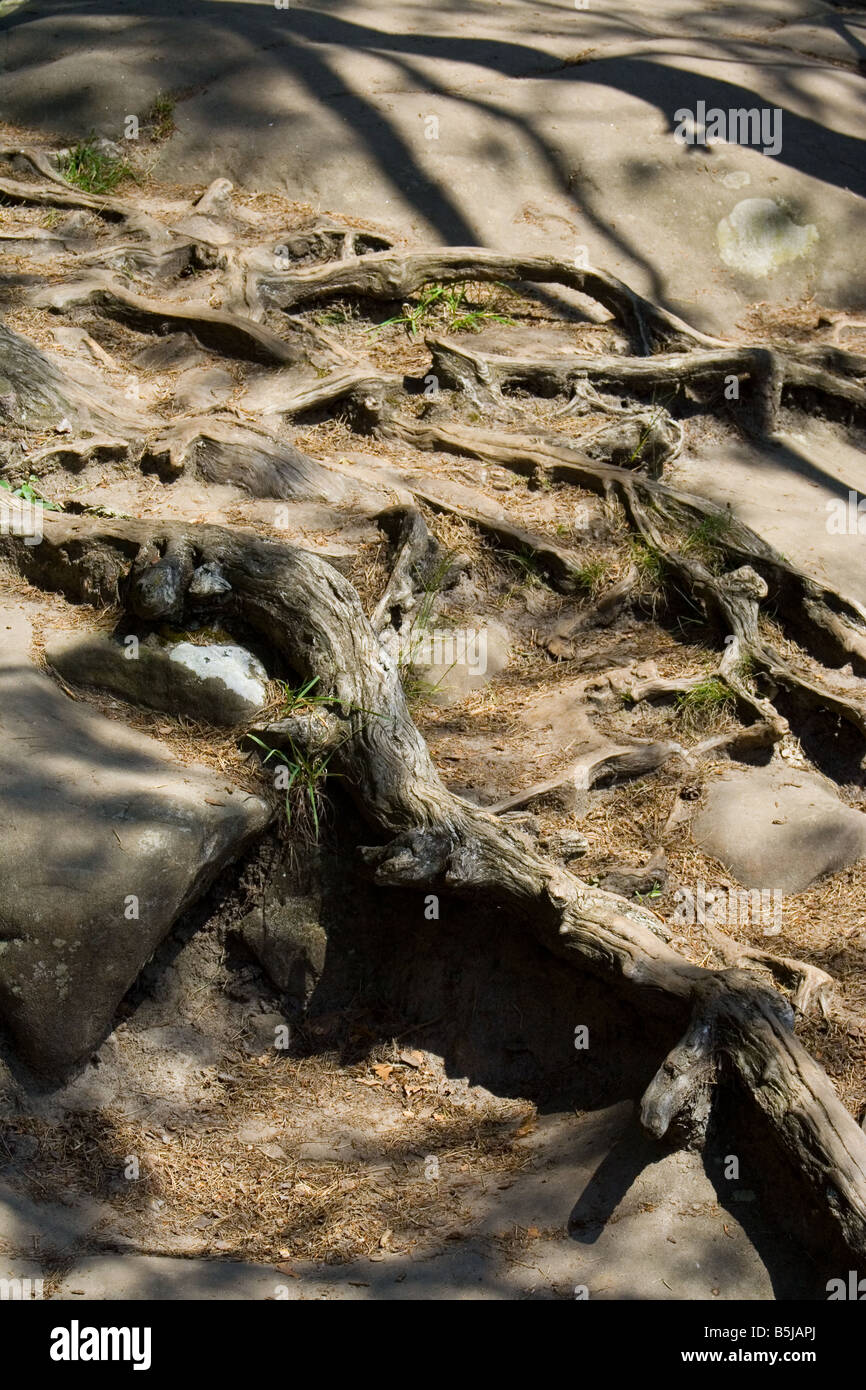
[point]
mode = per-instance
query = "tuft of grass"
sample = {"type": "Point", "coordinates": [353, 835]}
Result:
{"type": "Point", "coordinates": [654, 892]}
{"type": "Point", "coordinates": [160, 117]}
{"type": "Point", "coordinates": [644, 436]}
{"type": "Point", "coordinates": [591, 575]}
{"type": "Point", "coordinates": [705, 540]}
{"type": "Point", "coordinates": [527, 565]}
{"type": "Point", "coordinates": [303, 782]}
{"type": "Point", "coordinates": [415, 688]}
{"type": "Point", "coordinates": [302, 698]}
{"type": "Point", "coordinates": [441, 305]}
{"type": "Point", "coordinates": [745, 667]}
{"type": "Point", "coordinates": [704, 703]}
{"type": "Point", "coordinates": [337, 315]}
{"type": "Point", "coordinates": [92, 169]}
{"type": "Point", "coordinates": [650, 565]}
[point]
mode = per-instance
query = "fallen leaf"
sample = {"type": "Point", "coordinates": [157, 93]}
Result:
{"type": "Point", "coordinates": [383, 1070]}
{"type": "Point", "coordinates": [413, 1058]}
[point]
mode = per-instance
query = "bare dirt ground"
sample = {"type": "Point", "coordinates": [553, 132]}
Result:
{"type": "Point", "coordinates": [355, 1163]}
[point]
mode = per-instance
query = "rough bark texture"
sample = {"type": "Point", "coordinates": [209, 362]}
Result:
{"type": "Point", "coordinates": [312, 617]}
{"type": "Point", "coordinates": [735, 1030]}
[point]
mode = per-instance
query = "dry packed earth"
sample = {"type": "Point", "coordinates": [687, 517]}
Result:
{"type": "Point", "coordinates": [397, 611]}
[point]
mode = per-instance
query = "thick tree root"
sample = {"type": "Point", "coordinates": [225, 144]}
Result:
{"type": "Point", "coordinates": [597, 768]}
{"type": "Point", "coordinates": [828, 623]}
{"type": "Point", "coordinates": [768, 370]}
{"type": "Point", "coordinates": [811, 987]}
{"type": "Point", "coordinates": [389, 277]}
{"type": "Point", "coordinates": [735, 1029]}
{"type": "Point", "coordinates": [733, 1026]}
{"type": "Point", "coordinates": [228, 334]}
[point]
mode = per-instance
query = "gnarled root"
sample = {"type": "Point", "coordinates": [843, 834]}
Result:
{"type": "Point", "coordinates": [733, 1026]}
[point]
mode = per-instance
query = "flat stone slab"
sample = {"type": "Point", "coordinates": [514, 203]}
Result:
{"type": "Point", "coordinates": [451, 663]}
{"type": "Point", "coordinates": [567, 145]}
{"type": "Point", "coordinates": [217, 682]}
{"type": "Point", "coordinates": [104, 841]}
{"type": "Point", "coordinates": [775, 828]}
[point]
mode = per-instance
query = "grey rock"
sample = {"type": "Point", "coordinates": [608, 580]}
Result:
{"type": "Point", "coordinates": [453, 663]}
{"type": "Point", "coordinates": [259, 1132]}
{"type": "Point", "coordinates": [759, 235]}
{"type": "Point", "coordinates": [272, 1151]}
{"type": "Point", "coordinates": [624, 879]}
{"type": "Point", "coordinates": [215, 198]}
{"type": "Point", "coordinates": [776, 828]}
{"type": "Point", "coordinates": [201, 387]}
{"type": "Point", "coordinates": [104, 841]}
{"type": "Point", "coordinates": [220, 684]}
{"type": "Point", "coordinates": [262, 1033]}
{"type": "Point", "coordinates": [288, 940]}
{"type": "Point", "coordinates": [317, 1151]}
{"type": "Point", "coordinates": [569, 844]}
{"type": "Point", "coordinates": [174, 350]}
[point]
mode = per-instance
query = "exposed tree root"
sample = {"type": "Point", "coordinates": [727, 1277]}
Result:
{"type": "Point", "coordinates": [389, 277]}
{"type": "Point", "coordinates": [735, 1029]}
{"type": "Point", "coordinates": [226, 333]}
{"type": "Point", "coordinates": [604, 611]}
{"type": "Point", "coordinates": [223, 451]}
{"type": "Point", "coordinates": [768, 370]}
{"type": "Point", "coordinates": [660, 514]}
{"type": "Point", "coordinates": [600, 766]}
{"type": "Point", "coordinates": [811, 986]}
{"type": "Point", "coordinates": [36, 394]}
{"type": "Point", "coordinates": [64, 196]}
{"type": "Point", "coordinates": [559, 565]}
{"type": "Point", "coordinates": [733, 1026]}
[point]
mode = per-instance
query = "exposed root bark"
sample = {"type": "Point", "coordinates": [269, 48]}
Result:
{"type": "Point", "coordinates": [679, 1097]}
{"type": "Point", "coordinates": [389, 277]}
{"type": "Point", "coordinates": [116, 209]}
{"type": "Point", "coordinates": [769, 371]}
{"type": "Point", "coordinates": [34, 393]}
{"type": "Point", "coordinates": [225, 333]}
{"type": "Point", "coordinates": [311, 615]}
{"type": "Point", "coordinates": [811, 987]}
{"type": "Point", "coordinates": [223, 451]}
{"type": "Point", "coordinates": [663, 517]}
{"type": "Point", "coordinates": [603, 612]}
{"type": "Point", "coordinates": [599, 766]}
{"type": "Point", "coordinates": [416, 557]}
{"type": "Point", "coordinates": [559, 565]}
{"type": "Point", "coordinates": [736, 1030]}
